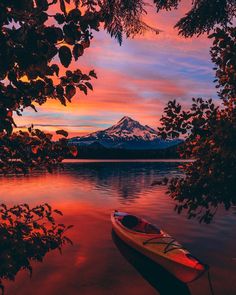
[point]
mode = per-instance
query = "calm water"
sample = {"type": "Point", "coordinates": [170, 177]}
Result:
{"type": "Point", "coordinates": [98, 263]}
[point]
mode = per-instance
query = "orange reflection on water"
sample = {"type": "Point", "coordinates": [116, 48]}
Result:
{"type": "Point", "coordinates": [87, 193]}
{"type": "Point", "coordinates": [88, 265]}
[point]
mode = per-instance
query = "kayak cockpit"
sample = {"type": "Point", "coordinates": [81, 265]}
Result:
{"type": "Point", "coordinates": [136, 224]}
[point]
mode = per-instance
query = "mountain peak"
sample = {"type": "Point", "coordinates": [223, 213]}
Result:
{"type": "Point", "coordinates": [126, 129]}
{"type": "Point", "coordinates": [126, 133]}
{"type": "Point", "coordinates": [126, 122]}
{"type": "Point", "coordinates": [125, 118]}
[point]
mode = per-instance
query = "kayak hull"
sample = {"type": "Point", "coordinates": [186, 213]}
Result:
{"type": "Point", "coordinates": [182, 271]}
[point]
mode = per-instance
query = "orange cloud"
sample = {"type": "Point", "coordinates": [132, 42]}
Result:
{"type": "Point", "coordinates": [136, 79]}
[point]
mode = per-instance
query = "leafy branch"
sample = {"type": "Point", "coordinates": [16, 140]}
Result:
{"type": "Point", "coordinates": [26, 235]}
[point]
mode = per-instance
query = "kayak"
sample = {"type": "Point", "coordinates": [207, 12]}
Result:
{"type": "Point", "coordinates": [157, 245]}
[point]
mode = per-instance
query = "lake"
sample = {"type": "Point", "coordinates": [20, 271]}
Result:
{"type": "Point", "coordinates": [100, 264]}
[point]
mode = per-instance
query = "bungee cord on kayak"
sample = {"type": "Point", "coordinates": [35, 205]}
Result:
{"type": "Point", "coordinates": [168, 244]}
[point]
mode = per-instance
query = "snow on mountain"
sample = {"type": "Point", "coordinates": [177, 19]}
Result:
{"type": "Point", "coordinates": [127, 133]}
{"type": "Point", "coordinates": [127, 129]}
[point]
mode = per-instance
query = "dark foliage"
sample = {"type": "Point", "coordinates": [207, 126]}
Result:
{"type": "Point", "coordinates": [90, 152]}
{"type": "Point", "coordinates": [210, 133]}
{"type": "Point", "coordinates": [22, 152]}
{"type": "Point", "coordinates": [166, 4]}
{"type": "Point", "coordinates": [124, 17]}
{"type": "Point", "coordinates": [211, 141]}
{"type": "Point", "coordinates": [223, 54]}
{"type": "Point", "coordinates": [36, 38]}
{"type": "Point", "coordinates": [203, 16]}
{"type": "Point", "coordinates": [26, 235]}
{"type": "Point", "coordinates": [30, 74]}
{"type": "Point", "coordinates": [29, 70]}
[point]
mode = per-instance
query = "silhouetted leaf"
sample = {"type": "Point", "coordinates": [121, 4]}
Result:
{"type": "Point", "coordinates": [78, 51]}
{"type": "Point", "coordinates": [89, 85]}
{"type": "Point", "coordinates": [62, 132]}
{"type": "Point", "coordinates": [58, 212]}
{"type": "Point", "coordinates": [65, 56]}
{"type": "Point", "coordinates": [62, 6]}
{"type": "Point", "coordinates": [55, 68]}
{"type": "Point", "coordinates": [60, 18]}
{"type": "Point", "coordinates": [93, 74]}
{"type": "Point", "coordinates": [83, 88]}
{"type": "Point", "coordinates": [70, 91]}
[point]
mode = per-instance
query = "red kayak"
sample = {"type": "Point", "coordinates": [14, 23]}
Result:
{"type": "Point", "coordinates": [158, 246]}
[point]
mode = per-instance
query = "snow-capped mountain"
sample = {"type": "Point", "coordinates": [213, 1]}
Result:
{"type": "Point", "coordinates": [128, 134]}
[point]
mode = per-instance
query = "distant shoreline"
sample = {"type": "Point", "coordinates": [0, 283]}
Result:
{"type": "Point", "coordinates": [128, 160]}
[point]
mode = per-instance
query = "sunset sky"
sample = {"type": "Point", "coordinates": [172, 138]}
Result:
{"type": "Point", "coordinates": [135, 79]}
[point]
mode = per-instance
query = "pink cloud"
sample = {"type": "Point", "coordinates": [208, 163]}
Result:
{"type": "Point", "coordinates": [136, 79]}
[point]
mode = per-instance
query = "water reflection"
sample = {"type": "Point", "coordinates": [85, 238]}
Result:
{"type": "Point", "coordinates": [87, 193]}
{"type": "Point", "coordinates": [160, 279]}
{"type": "Point", "coordinates": [129, 180]}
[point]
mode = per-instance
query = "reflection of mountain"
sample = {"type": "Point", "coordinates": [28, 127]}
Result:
{"type": "Point", "coordinates": [112, 177]}
{"type": "Point", "coordinates": [157, 277]}
{"type": "Point", "coordinates": [126, 134]}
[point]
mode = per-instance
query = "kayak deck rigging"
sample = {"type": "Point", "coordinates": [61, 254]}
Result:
{"type": "Point", "coordinates": [138, 225]}
{"type": "Point", "coordinates": [168, 244]}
